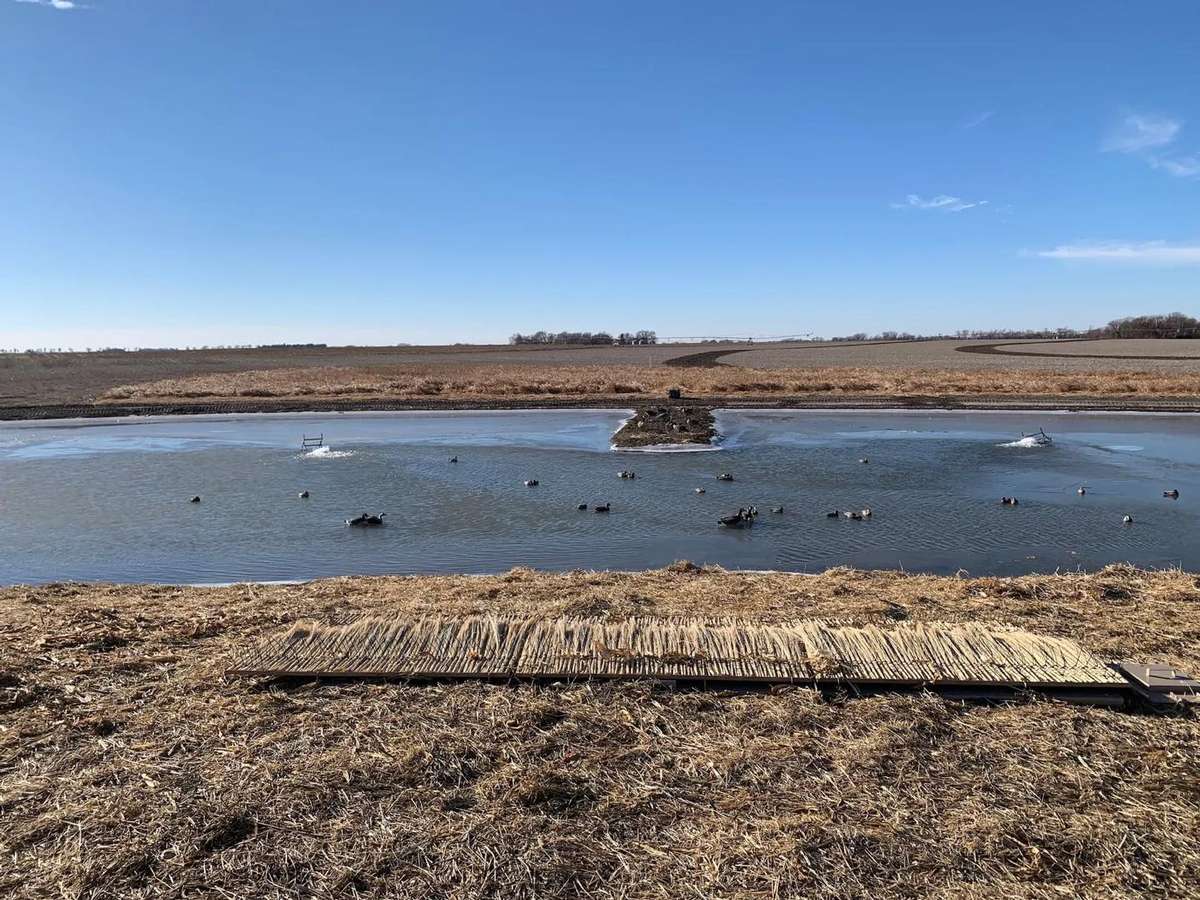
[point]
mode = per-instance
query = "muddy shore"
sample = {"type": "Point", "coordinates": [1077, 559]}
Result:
{"type": "Point", "coordinates": [664, 425]}
{"type": "Point", "coordinates": [267, 405]}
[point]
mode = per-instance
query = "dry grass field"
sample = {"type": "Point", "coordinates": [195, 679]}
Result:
{"type": "Point", "coordinates": [513, 374]}
{"type": "Point", "coordinates": [130, 768]}
{"type": "Point", "coordinates": [615, 382]}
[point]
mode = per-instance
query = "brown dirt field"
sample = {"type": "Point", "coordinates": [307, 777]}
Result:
{"type": "Point", "coordinates": [616, 381]}
{"type": "Point", "coordinates": [1068, 357]}
{"type": "Point", "coordinates": [129, 768]}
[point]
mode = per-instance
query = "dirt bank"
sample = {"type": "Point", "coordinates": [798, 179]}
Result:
{"type": "Point", "coordinates": [130, 768]}
{"type": "Point", "coordinates": [657, 425]}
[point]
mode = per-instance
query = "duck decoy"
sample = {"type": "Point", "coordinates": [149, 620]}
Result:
{"type": "Point", "coordinates": [195, 499]}
{"type": "Point", "coordinates": [854, 514]}
{"type": "Point", "coordinates": [366, 519]}
{"type": "Point", "coordinates": [864, 460]}
{"type": "Point", "coordinates": [833, 515]}
{"type": "Point", "coordinates": [303, 495]}
{"type": "Point", "coordinates": [1128, 520]}
{"type": "Point", "coordinates": [1082, 490]}
{"type": "Point", "coordinates": [740, 519]}
{"type": "Point", "coordinates": [531, 482]}
{"type": "Point", "coordinates": [866, 513]}
{"type": "Point", "coordinates": [777, 509]}
{"type": "Point", "coordinates": [724, 476]}
{"type": "Point", "coordinates": [1009, 501]}
{"type": "Point", "coordinates": [454, 459]}
{"type": "Point", "coordinates": [1173, 494]}
{"type": "Point", "coordinates": [603, 507]}
{"type": "Point", "coordinates": [582, 506]}
{"type": "Point", "coordinates": [699, 490]}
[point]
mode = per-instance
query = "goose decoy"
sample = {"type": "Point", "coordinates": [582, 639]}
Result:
{"type": "Point", "coordinates": [699, 490]}
{"type": "Point", "coordinates": [1082, 490]}
{"type": "Point", "coordinates": [303, 495]}
{"type": "Point", "coordinates": [531, 482]}
{"type": "Point", "coordinates": [1173, 494]}
{"type": "Point", "coordinates": [603, 507]}
{"type": "Point", "coordinates": [582, 506]}
{"type": "Point", "coordinates": [724, 476]}
{"type": "Point", "coordinates": [833, 515]}
{"type": "Point", "coordinates": [365, 519]}
{"type": "Point", "coordinates": [195, 499]}
{"type": "Point", "coordinates": [777, 509]}
{"type": "Point", "coordinates": [1128, 520]}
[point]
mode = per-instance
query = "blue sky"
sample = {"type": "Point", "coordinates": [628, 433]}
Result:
{"type": "Point", "coordinates": [179, 173]}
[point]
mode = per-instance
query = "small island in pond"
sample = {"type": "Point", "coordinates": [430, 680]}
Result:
{"type": "Point", "coordinates": [652, 426]}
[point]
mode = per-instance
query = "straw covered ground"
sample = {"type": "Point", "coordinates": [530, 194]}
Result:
{"type": "Point", "coordinates": [130, 768]}
{"type": "Point", "coordinates": [526, 382]}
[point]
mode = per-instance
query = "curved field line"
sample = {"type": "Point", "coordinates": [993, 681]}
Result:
{"type": "Point", "coordinates": [994, 350]}
{"type": "Point", "coordinates": [710, 358]}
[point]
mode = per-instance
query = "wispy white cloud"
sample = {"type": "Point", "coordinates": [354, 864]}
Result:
{"type": "Point", "coordinates": [942, 202]}
{"type": "Point", "coordinates": [1141, 132]}
{"type": "Point", "coordinates": [1150, 138]}
{"type": "Point", "coordinates": [1146, 252]}
{"type": "Point", "coordinates": [977, 120]}
{"type": "Point", "coordinates": [56, 4]}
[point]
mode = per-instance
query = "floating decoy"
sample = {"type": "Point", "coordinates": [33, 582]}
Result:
{"type": "Point", "coordinates": [699, 490]}
{"type": "Point", "coordinates": [531, 482]}
{"type": "Point", "coordinates": [603, 507]}
{"type": "Point", "coordinates": [854, 514]}
{"type": "Point", "coordinates": [195, 499]}
{"type": "Point", "coordinates": [1082, 490]}
{"type": "Point", "coordinates": [866, 513]}
{"type": "Point", "coordinates": [582, 506]}
{"type": "Point", "coordinates": [303, 495]}
{"type": "Point", "coordinates": [740, 519]}
{"type": "Point", "coordinates": [776, 509]}
{"type": "Point", "coordinates": [724, 476]}
{"type": "Point", "coordinates": [1128, 520]}
{"type": "Point", "coordinates": [454, 459]}
{"type": "Point", "coordinates": [833, 515]}
{"type": "Point", "coordinates": [366, 519]}
{"type": "Point", "coordinates": [864, 460]}
{"type": "Point", "coordinates": [625, 473]}
{"type": "Point", "coordinates": [1009, 501]}
{"type": "Point", "coordinates": [1173, 494]}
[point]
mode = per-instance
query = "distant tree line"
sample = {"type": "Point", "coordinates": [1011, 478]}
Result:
{"type": "Point", "coordinates": [1171, 325]}
{"type": "Point", "coordinates": [625, 338]}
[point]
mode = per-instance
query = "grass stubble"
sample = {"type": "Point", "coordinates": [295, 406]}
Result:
{"type": "Point", "coordinates": [614, 382]}
{"type": "Point", "coordinates": [130, 768]}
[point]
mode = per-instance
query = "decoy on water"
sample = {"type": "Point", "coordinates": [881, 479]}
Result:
{"type": "Point", "coordinates": [1009, 501]}
{"type": "Point", "coordinates": [866, 513]}
{"type": "Point", "coordinates": [454, 459]}
{"type": "Point", "coordinates": [303, 495]}
{"type": "Point", "coordinates": [854, 514]}
{"type": "Point", "coordinates": [699, 490]}
{"type": "Point", "coordinates": [582, 506]}
{"type": "Point", "coordinates": [603, 507]}
{"type": "Point", "coordinates": [724, 476]}
{"type": "Point", "coordinates": [531, 482]}
{"type": "Point", "coordinates": [833, 515]}
{"type": "Point", "coordinates": [776, 509]}
{"type": "Point", "coordinates": [1173, 494]}
{"type": "Point", "coordinates": [626, 473]}
{"type": "Point", "coordinates": [1082, 490]}
{"type": "Point", "coordinates": [366, 519]}
{"type": "Point", "coordinates": [740, 519]}
{"type": "Point", "coordinates": [195, 499]}
{"type": "Point", "coordinates": [864, 460]}
{"type": "Point", "coordinates": [1128, 520]}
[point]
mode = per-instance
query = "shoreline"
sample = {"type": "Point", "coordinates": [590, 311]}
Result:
{"type": "Point", "coordinates": [1007, 403]}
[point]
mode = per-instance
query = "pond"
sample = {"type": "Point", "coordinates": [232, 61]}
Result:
{"type": "Point", "coordinates": [108, 499]}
